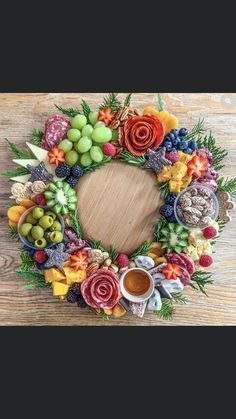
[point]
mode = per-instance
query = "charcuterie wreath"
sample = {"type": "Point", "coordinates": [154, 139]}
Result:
{"type": "Point", "coordinates": [44, 216]}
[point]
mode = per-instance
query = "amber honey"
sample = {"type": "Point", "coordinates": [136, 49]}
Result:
{"type": "Point", "coordinates": [136, 282]}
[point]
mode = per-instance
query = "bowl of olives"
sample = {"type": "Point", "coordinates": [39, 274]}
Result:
{"type": "Point", "coordinates": [39, 228]}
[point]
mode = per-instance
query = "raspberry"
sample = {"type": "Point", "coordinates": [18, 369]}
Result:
{"type": "Point", "coordinates": [209, 232]}
{"type": "Point", "coordinates": [205, 261]}
{"type": "Point", "coordinates": [77, 171]}
{"type": "Point", "coordinates": [122, 260]}
{"type": "Point", "coordinates": [109, 149]}
{"type": "Point", "coordinates": [173, 156]}
{"type": "Point", "coordinates": [40, 256]}
{"type": "Point", "coordinates": [40, 199]}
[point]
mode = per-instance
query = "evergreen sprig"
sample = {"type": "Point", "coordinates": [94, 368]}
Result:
{"type": "Point", "coordinates": [221, 224]}
{"type": "Point", "coordinates": [160, 224]}
{"type": "Point", "coordinates": [75, 222]}
{"type": "Point", "coordinates": [96, 166]}
{"type": "Point", "coordinates": [178, 297]}
{"type": "Point", "coordinates": [27, 262]}
{"type": "Point", "coordinates": [227, 185]}
{"type": "Point", "coordinates": [167, 310]}
{"type": "Point", "coordinates": [19, 171]}
{"type": "Point", "coordinates": [94, 244]}
{"type": "Point", "coordinates": [142, 250]}
{"type": "Point", "coordinates": [164, 188]}
{"type": "Point", "coordinates": [86, 108]}
{"type": "Point", "coordinates": [113, 253]}
{"type": "Point", "coordinates": [18, 153]}
{"type": "Point", "coordinates": [197, 131]}
{"type": "Point", "coordinates": [200, 279]}
{"type": "Point", "coordinates": [134, 160]}
{"type": "Point", "coordinates": [13, 233]}
{"type": "Point", "coordinates": [218, 153]}
{"type": "Point", "coordinates": [160, 103]}
{"type": "Point", "coordinates": [111, 101]}
{"type": "Point", "coordinates": [36, 279]}
{"type": "Point", "coordinates": [127, 100]}
{"type": "Point", "coordinates": [36, 137]}
{"type": "Point", "coordinates": [69, 111]}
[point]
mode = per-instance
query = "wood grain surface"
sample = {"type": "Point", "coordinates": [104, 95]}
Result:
{"type": "Point", "coordinates": [19, 115]}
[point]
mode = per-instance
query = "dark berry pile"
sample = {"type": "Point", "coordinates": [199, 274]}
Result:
{"type": "Point", "coordinates": [176, 140]}
{"type": "Point", "coordinates": [74, 296]}
{"type": "Point", "coordinates": [167, 209]}
{"type": "Point", "coordinates": [71, 174]}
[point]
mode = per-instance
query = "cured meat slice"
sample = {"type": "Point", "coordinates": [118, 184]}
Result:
{"type": "Point", "coordinates": [190, 265]}
{"type": "Point", "coordinates": [101, 290]}
{"type": "Point", "coordinates": [185, 277]}
{"type": "Point", "coordinates": [56, 129]}
{"type": "Point", "coordinates": [176, 258]}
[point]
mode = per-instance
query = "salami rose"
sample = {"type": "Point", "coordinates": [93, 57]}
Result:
{"type": "Point", "coordinates": [55, 131]}
{"type": "Point", "coordinates": [141, 133]}
{"type": "Point", "coordinates": [101, 290]}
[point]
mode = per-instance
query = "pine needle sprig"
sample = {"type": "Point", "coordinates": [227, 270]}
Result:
{"type": "Point", "coordinates": [94, 244]}
{"type": "Point", "coordinates": [111, 101]}
{"type": "Point", "coordinates": [167, 310]}
{"type": "Point", "coordinates": [142, 250]}
{"type": "Point", "coordinates": [36, 137]}
{"type": "Point", "coordinates": [164, 188]}
{"type": "Point", "coordinates": [160, 102]}
{"type": "Point", "coordinates": [160, 224]}
{"type": "Point", "coordinates": [200, 279]}
{"type": "Point", "coordinates": [178, 297]}
{"type": "Point", "coordinates": [36, 279]}
{"type": "Point", "coordinates": [18, 153]}
{"type": "Point", "coordinates": [69, 111]}
{"type": "Point", "coordinates": [197, 131]}
{"type": "Point", "coordinates": [113, 253]}
{"type": "Point", "coordinates": [75, 222]}
{"type": "Point", "coordinates": [218, 153]}
{"type": "Point", "coordinates": [134, 160]}
{"type": "Point", "coordinates": [27, 262]}
{"type": "Point", "coordinates": [227, 185]}
{"type": "Point", "coordinates": [19, 171]}
{"type": "Point", "coordinates": [127, 100]}
{"type": "Point", "coordinates": [13, 233]}
{"type": "Point", "coordinates": [104, 316]}
{"type": "Point", "coordinates": [221, 224]}
{"type": "Point", "coordinates": [86, 108]}
{"type": "Point", "coordinates": [96, 166]}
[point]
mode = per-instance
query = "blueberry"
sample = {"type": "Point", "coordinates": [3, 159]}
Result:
{"type": "Point", "coordinates": [171, 135]}
{"type": "Point", "coordinates": [183, 132]}
{"type": "Point", "coordinates": [176, 141]}
{"type": "Point", "coordinates": [175, 132]}
{"type": "Point", "coordinates": [188, 150]}
{"type": "Point", "coordinates": [168, 138]}
{"type": "Point", "coordinates": [167, 143]}
{"type": "Point", "coordinates": [193, 145]}
{"type": "Point", "coordinates": [183, 145]}
{"type": "Point", "coordinates": [173, 150]}
{"type": "Point", "coordinates": [169, 147]}
{"type": "Point", "coordinates": [40, 266]}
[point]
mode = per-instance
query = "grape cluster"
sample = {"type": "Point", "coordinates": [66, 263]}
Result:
{"type": "Point", "coordinates": [176, 140]}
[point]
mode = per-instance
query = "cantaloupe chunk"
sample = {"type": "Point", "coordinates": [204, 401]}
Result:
{"type": "Point", "coordinates": [53, 274]}
{"type": "Point", "coordinates": [59, 289]}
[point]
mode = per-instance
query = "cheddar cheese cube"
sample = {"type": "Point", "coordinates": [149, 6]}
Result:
{"type": "Point", "coordinates": [53, 274]}
{"type": "Point", "coordinates": [59, 289]}
{"type": "Point", "coordinates": [74, 276]}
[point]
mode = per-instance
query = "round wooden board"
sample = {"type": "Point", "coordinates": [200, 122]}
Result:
{"type": "Point", "coordinates": [119, 204]}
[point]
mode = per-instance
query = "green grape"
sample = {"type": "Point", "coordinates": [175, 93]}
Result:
{"type": "Point", "coordinates": [73, 134]}
{"type": "Point", "coordinates": [87, 130]}
{"type": "Point", "coordinates": [102, 135]}
{"type": "Point", "coordinates": [96, 154]}
{"type": "Point", "coordinates": [86, 160]}
{"type": "Point", "coordinates": [93, 117]}
{"type": "Point", "coordinates": [84, 144]}
{"type": "Point", "coordinates": [79, 121]}
{"type": "Point", "coordinates": [76, 147]}
{"type": "Point", "coordinates": [71, 157]}
{"type": "Point", "coordinates": [114, 135]}
{"type": "Point", "coordinates": [99, 124]}
{"type": "Point", "coordinates": [65, 145]}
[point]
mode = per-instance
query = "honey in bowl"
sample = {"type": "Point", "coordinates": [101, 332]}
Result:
{"type": "Point", "coordinates": [136, 282]}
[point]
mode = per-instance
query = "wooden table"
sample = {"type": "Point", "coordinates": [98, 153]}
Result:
{"type": "Point", "coordinates": [20, 114]}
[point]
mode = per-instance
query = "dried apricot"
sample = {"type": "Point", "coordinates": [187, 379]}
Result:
{"type": "Point", "coordinates": [14, 213]}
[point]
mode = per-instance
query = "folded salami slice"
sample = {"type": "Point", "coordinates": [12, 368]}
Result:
{"type": "Point", "coordinates": [55, 131]}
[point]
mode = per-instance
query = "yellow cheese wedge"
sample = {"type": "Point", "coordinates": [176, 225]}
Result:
{"type": "Point", "coordinates": [74, 276]}
{"type": "Point", "coordinates": [53, 274]}
{"type": "Point", "coordinates": [59, 289]}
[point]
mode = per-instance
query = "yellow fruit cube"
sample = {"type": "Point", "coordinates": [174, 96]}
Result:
{"type": "Point", "coordinates": [59, 289]}
{"type": "Point", "coordinates": [174, 186]}
{"type": "Point", "coordinates": [160, 260]}
{"type": "Point", "coordinates": [53, 274]}
{"type": "Point", "coordinates": [179, 170]}
{"type": "Point", "coordinates": [74, 276]}
{"type": "Point", "coordinates": [67, 263]}
{"type": "Point", "coordinates": [184, 158]}
{"type": "Point", "coordinates": [165, 174]}
{"type": "Point", "coordinates": [107, 311]}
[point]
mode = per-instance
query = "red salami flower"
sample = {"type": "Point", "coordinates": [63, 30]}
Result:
{"type": "Point", "coordinates": [56, 128]}
{"type": "Point", "coordinates": [101, 290]}
{"type": "Point", "coordinates": [141, 133]}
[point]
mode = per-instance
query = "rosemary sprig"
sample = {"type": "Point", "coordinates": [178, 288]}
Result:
{"type": "Point", "coordinates": [13, 233]}
{"type": "Point", "coordinates": [164, 188]}
{"type": "Point", "coordinates": [221, 224]}
{"type": "Point", "coordinates": [111, 101]}
{"type": "Point", "coordinates": [75, 223]}
{"type": "Point", "coordinates": [36, 279]}
{"type": "Point", "coordinates": [160, 224]}
{"type": "Point", "coordinates": [227, 185]}
{"type": "Point", "coordinates": [27, 262]}
{"type": "Point", "coordinates": [96, 244]}
{"type": "Point", "coordinates": [200, 279]}
{"type": "Point", "coordinates": [167, 310]}
{"type": "Point", "coordinates": [68, 111]}
{"type": "Point", "coordinates": [160, 103]}
{"type": "Point", "coordinates": [129, 158]}
{"type": "Point", "coordinates": [142, 250]}
{"type": "Point", "coordinates": [96, 166]}
{"type": "Point", "coordinates": [113, 253]}
{"type": "Point", "coordinates": [128, 99]}
{"type": "Point", "coordinates": [197, 130]}
{"type": "Point", "coordinates": [36, 137]}
{"type": "Point", "coordinates": [218, 153]}
{"type": "Point", "coordinates": [19, 171]}
{"type": "Point", "coordinates": [86, 108]}
{"type": "Point", "coordinates": [18, 153]}
{"type": "Point", "coordinates": [180, 298]}
{"type": "Point", "coordinates": [104, 316]}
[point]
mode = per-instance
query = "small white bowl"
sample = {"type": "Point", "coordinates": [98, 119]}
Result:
{"type": "Point", "coordinates": [136, 298]}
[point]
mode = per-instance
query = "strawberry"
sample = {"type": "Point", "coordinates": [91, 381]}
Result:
{"type": "Point", "coordinates": [56, 156]}
{"type": "Point", "coordinates": [106, 115]}
{"type": "Point", "coordinates": [79, 260]}
{"type": "Point", "coordinates": [172, 271]}
{"type": "Point", "coordinates": [196, 166]}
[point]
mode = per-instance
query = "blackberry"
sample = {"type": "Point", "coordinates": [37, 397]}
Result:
{"type": "Point", "coordinates": [171, 197]}
{"type": "Point", "coordinates": [76, 289]}
{"type": "Point", "coordinates": [63, 170]}
{"type": "Point", "coordinates": [72, 181]}
{"type": "Point", "coordinates": [172, 218]}
{"type": "Point", "coordinates": [77, 171]}
{"type": "Point", "coordinates": [81, 302]}
{"type": "Point", "coordinates": [166, 210]}
{"type": "Point", "coordinates": [71, 296]}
